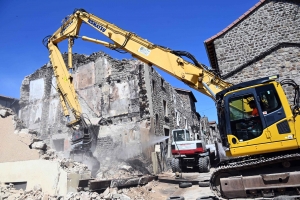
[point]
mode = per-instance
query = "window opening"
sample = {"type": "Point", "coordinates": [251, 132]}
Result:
{"type": "Point", "coordinates": [165, 108]}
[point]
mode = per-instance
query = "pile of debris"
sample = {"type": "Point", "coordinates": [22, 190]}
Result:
{"type": "Point", "coordinates": [117, 169]}
{"type": "Point", "coordinates": [109, 193]}
{"type": "Point", "coordinates": [113, 193]}
{"type": "Point", "coordinates": [8, 191]}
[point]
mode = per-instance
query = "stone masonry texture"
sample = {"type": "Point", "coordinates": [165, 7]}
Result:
{"type": "Point", "coordinates": [131, 101]}
{"type": "Point", "coordinates": [264, 43]}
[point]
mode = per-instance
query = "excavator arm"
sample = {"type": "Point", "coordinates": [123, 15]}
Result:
{"type": "Point", "coordinates": [196, 75]}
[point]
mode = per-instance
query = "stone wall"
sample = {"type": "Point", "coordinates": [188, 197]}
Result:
{"type": "Point", "coordinates": [180, 106]}
{"type": "Point", "coordinates": [186, 112]}
{"type": "Point", "coordinates": [161, 91]}
{"type": "Point", "coordinates": [264, 43]}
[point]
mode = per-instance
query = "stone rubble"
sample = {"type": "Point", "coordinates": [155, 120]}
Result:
{"type": "Point", "coordinates": [119, 169]}
{"type": "Point", "coordinates": [66, 164]}
{"type": "Point", "coordinates": [9, 192]}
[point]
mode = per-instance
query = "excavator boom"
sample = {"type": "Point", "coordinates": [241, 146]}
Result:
{"type": "Point", "coordinates": [195, 75]}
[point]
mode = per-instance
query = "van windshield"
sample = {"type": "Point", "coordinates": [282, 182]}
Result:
{"type": "Point", "coordinates": [178, 135]}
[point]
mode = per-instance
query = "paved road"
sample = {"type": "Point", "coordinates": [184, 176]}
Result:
{"type": "Point", "coordinates": [190, 193]}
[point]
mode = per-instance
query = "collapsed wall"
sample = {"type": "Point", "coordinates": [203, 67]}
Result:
{"type": "Point", "coordinates": [111, 93]}
{"type": "Point", "coordinates": [26, 161]}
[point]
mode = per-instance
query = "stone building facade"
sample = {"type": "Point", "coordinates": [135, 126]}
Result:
{"type": "Point", "coordinates": [185, 112]}
{"type": "Point", "coordinates": [129, 104]}
{"type": "Point", "coordinates": [264, 41]}
{"type": "Point", "coordinates": [209, 131]}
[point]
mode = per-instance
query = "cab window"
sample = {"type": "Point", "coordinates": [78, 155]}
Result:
{"type": "Point", "coordinates": [269, 101]}
{"type": "Point", "coordinates": [178, 135]}
{"type": "Point", "coordinates": [245, 120]}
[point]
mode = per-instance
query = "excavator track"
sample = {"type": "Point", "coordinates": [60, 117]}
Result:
{"type": "Point", "coordinates": [257, 177]}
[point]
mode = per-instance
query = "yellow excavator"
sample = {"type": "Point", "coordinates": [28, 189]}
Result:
{"type": "Point", "coordinates": [259, 129]}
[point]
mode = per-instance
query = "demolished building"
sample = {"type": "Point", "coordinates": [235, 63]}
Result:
{"type": "Point", "coordinates": [127, 101]}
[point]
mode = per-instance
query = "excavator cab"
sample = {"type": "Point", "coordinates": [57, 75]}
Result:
{"type": "Point", "coordinates": [255, 117]}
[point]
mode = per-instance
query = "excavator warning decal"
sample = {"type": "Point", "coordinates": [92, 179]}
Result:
{"type": "Point", "coordinates": [144, 51]}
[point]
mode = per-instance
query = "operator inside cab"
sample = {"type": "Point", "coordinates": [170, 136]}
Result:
{"type": "Point", "coordinates": [252, 105]}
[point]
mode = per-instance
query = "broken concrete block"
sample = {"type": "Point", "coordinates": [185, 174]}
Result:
{"type": "Point", "coordinates": [116, 196]}
{"type": "Point", "coordinates": [113, 191]}
{"type": "Point", "coordinates": [3, 113]}
{"type": "Point", "coordinates": [106, 192]}
{"type": "Point", "coordinates": [124, 197]}
{"type": "Point", "coordinates": [94, 121]}
{"type": "Point", "coordinates": [107, 196]}
{"type": "Point", "coordinates": [45, 197]}
{"type": "Point", "coordinates": [126, 168]}
{"type": "Point", "coordinates": [37, 187]}
{"type": "Point", "coordinates": [24, 130]}
{"type": "Point", "coordinates": [94, 195]}
{"type": "Point", "coordinates": [39, 145]}
{"type": "Point", "coordinates": [99, 176]}
{"type": "Point", "coordinates": [77, 196]}
{"type": "Point", "coordinates": [12, 197]}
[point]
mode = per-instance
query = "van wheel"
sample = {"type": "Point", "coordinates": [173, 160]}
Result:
{"type": "Point", "coordinates": [204, 164]}
{"type": "Point", "coordinates": [175, 165]}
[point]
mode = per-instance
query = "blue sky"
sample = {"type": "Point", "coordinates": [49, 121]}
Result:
{"type": "Point", "coordinates": [177, 24]}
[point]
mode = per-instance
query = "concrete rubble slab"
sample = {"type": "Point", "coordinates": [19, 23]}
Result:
{"type": "Point", "coordinates": [3, 113]}
{"type": "Point", "coordinates": [54, 182]}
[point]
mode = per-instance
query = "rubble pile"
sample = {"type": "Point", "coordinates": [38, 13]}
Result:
{"type": "Point", "coordinates": [108, 194]}
{"type": "Point", "coordinates": [116, 169]}
{"type": "Point", "coordinates": [122, 170]}
{"type": "Point", "coordinates": [66, 164]}
{"type": "Point", "coordinates": [112, 193]}
{"type": "Point", "coordinates": [8, 191]}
